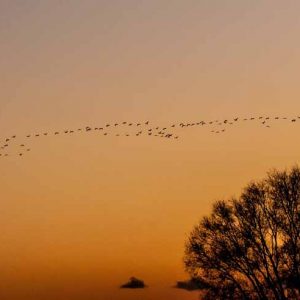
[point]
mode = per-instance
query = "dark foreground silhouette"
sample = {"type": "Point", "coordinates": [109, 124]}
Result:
{"type": "Point", "coordinates": [189, 285]}
{"type": "Point", "coordinates": [249, 247]}
{"type": "Point", "coordinates": [134, 283]}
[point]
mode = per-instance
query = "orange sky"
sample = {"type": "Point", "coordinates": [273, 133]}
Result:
{"type": "Point", "coordinates": [81, 214]}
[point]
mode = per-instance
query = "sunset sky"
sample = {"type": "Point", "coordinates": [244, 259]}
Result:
{"type": "Point", "coordinates": [82, 213]}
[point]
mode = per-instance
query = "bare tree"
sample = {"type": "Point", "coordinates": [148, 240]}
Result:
{"type": "Point", "coordinates": [249, 248]}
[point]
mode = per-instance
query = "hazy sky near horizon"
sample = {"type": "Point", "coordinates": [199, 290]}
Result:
{"type": "Point", "coordinates": [81, 214]}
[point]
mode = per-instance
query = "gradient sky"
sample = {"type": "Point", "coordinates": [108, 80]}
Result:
{"type": "Point", "coordinates": [81, 214]}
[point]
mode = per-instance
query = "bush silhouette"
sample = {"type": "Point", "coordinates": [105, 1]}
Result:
{"type": "Point", "coordinates": [249, 247]}
{"type": "Point", "coordinates": [134, 283]}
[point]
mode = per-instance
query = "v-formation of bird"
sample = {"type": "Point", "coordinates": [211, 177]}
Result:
{"type": "Point", "coordinates": [130, 128]}
{"type": "Point", "coordinates": [140, 128]}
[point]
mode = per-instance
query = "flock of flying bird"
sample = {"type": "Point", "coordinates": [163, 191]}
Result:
{"type": "Point", "coordinates": [138, 129]}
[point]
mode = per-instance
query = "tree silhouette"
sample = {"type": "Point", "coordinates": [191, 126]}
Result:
{"type": "Point", "coordinates": [249, 247]}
